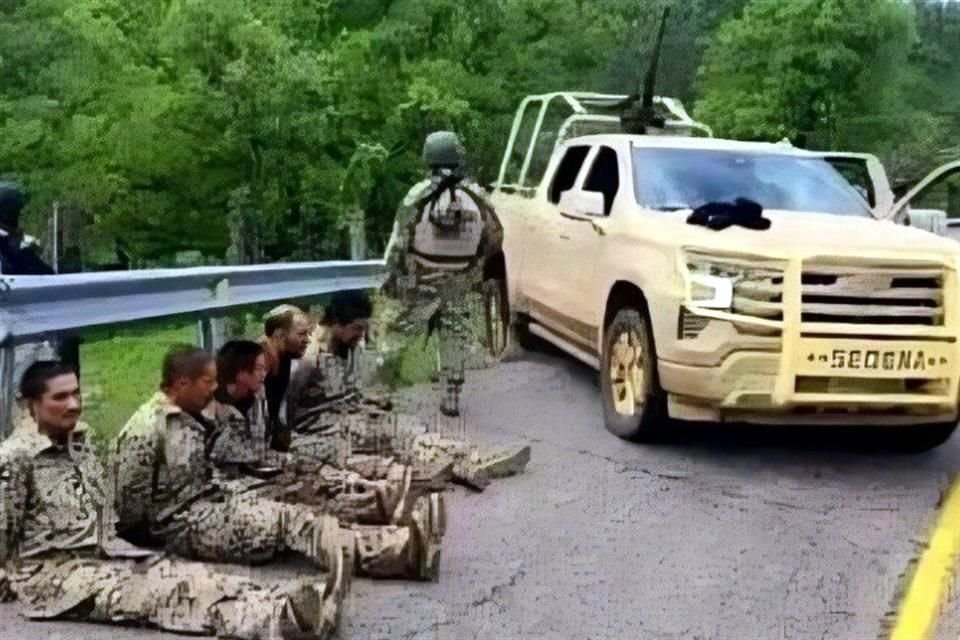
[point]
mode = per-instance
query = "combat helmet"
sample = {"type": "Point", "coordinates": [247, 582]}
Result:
{"type": "Point", "coordinates": [12, 202]}
{"type": "Point", "coordinates": [443, 149]}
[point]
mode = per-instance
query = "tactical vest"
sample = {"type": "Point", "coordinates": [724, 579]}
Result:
{"type": "Point", "coordinates": [448, 229]}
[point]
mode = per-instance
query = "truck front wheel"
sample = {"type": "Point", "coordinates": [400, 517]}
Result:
{"type": "Point", "coordinates": [634, 405]}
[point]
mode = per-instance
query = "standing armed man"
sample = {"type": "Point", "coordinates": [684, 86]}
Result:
{"type": "Point", "coordinates": [19, 256]}
{"type": "Point", "coordinates": [444, 231]}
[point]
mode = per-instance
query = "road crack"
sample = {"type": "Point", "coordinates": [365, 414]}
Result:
{"type": "Point", "coordinates": [496, 590]}
{"type": "Point", "coordinates": [433, 626]}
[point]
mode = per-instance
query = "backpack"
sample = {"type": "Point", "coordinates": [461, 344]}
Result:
{"type": "Point", "coordinates": [448, 229]}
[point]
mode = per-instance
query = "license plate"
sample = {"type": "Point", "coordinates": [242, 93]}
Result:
{"type": "Point", "coordinates": [875, 359]}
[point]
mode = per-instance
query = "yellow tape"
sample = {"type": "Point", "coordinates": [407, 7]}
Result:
{"type": "Point", "coordinates": [928, 589]}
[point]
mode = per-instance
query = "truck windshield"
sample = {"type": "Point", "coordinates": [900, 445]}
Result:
{"type": "Point", "coordinates": [674, 179]}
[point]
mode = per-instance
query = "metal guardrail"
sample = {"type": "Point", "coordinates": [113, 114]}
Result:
{"type": "Point", "coordinates": [35, 307]}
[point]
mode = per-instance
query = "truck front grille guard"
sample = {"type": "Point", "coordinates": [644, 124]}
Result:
{"type": "Point", "coordinates": [911, 301]}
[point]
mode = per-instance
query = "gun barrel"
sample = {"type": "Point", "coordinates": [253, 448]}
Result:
{"type": "Point", "coordinates": [650, 81]}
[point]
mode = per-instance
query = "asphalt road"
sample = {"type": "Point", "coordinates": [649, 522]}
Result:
{"type": "Point", "coordinates": [729, 532]}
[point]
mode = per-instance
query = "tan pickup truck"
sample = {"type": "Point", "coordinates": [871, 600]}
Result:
{"type": "Point", "coordinates": [835, 314]}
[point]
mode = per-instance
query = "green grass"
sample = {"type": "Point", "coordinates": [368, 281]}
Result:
{"type": "Point", "coordinates": [120, 366]}
{"type": "Point", "coordinates": [120, 369]}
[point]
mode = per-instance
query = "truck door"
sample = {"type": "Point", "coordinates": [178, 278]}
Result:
{"type": "Point", "coordinates": [582, 233]}
{"type": "Point", "coordinates": [934, 203]}
{"type": "Point", "coordinates": [543, 249]}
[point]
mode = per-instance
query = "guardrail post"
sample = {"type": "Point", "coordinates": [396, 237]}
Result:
{"type": "Point", "coordinates": [210, 333]}
{"type": "Point", "coordinates": [211, 330]}
{"type": "Point", "coordinates": [7, 384]}
{"type": "Point", "coordinates": [205, 334]}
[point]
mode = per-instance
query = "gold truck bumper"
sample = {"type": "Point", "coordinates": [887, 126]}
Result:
{"type": "Point", "coordinates": [823, 380]}
{"type": "Point", "coordinates": [865, 338]}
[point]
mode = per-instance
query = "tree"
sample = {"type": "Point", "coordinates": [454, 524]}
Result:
{"type": "Point", "coordinates": [172, 123]}
{"type": "Point", "coordinates": [791, 69]}
{"type": "Point", "coordinates": [837, 74]}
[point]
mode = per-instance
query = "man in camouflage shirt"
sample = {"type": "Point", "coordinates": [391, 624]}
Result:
{"type": "Point", "coordinates": [239, 410]}
{"type": "Point", "coordinates": [359, 489]}
{"type": "Point", "coordinates": [60, 557]}
{"type": "Point", "coordinates": [330, 411]}
{"type": "Point", "coordinates": [444, 231]}
{"type": "Point", "coordinates": [168, 492]}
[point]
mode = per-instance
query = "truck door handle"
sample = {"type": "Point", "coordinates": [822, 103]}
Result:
{"type": "Point", "coordinates": [564, 236]}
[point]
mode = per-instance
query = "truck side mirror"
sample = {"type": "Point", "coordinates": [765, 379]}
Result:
{"type": "Point", "coordinates": [581, 204]}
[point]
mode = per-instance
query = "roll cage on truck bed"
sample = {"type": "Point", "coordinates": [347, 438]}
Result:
{"type": "Point", "coordinates": [544, 122]}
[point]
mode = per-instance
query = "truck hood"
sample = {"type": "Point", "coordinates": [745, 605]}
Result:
{"type": "Point", "coordinates": [804, 233]}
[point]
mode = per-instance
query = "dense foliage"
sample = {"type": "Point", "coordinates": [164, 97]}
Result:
{"type": "Point", "coordinates": [857, 75]}
{"type": "Point", "coordinates": [159, 125]}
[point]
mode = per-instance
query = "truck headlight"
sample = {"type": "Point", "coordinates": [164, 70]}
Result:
{"type": "Point", "coordinates": [710, 285]}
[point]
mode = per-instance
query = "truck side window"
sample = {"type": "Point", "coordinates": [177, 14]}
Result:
{"type": "Point", "coordinates": [604, 177]}
{"type": "Point", "coordinates": [567, 171]}
{"type": "Point", "coordinates": [856, 173]}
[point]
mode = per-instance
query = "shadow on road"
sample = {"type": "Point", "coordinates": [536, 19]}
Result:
{"type": "Point", "coordinates": [864, 438]}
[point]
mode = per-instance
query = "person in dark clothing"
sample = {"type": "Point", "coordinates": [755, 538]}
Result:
{"type": "Point", "coordinates": [286, 335]}
{"type": "Point", "coordinates": [18, 252]}
{"type": "Point", "coordinates": [19, 256]}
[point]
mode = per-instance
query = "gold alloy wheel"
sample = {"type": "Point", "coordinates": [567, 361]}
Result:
{"type": "Point", "coordinates": [627, 379]}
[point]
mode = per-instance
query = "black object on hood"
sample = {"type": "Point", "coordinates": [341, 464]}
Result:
{"type": "Point", "coordinates": [720, 215]}
{"type": "Point", "coordinates": [12, 201]}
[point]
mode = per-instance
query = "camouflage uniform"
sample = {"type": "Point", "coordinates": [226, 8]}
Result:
{"type": "Point", "coordinates": [239, 438]}
{"type": "Point", "coordinates": [64, 561]}
{"type": "Point", "coordinates": [359, 490]}
{"type": "Point", "coordinates": [167, 492]}
{"type": "Point", "coordinates": [437, 286]}
{"type": "Point", "coordinates": [330, 413]}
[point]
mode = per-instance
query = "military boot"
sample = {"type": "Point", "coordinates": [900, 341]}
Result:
{"type": "Point", "coordinates": [480, 466]}
{"type": "Point", "coordinates": [473, 466]}
{"type": "Point", "coordinates": [429, 523]}
{"type": "Point", "coordinates": [403, 484]}
{"type": "Point", "coordinates": [432, 475]}
{"type": "Point", "coordinates": [403, 552]}
{"type": "Point", "coordinates": [315, 535]}
{"type": "Point", "coordinates": [371, 501]}
{"type": "Point", "coordinates": [311, 610]}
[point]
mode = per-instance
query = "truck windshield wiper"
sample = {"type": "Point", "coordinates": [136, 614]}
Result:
{"type": "Point", "coordinates": [672, 207]}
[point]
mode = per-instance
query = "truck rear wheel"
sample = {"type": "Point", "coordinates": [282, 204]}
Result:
{"type": "Point", "coordinates": [496, 313]}
{"type": "Point", "coordinates": [634, 405]}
